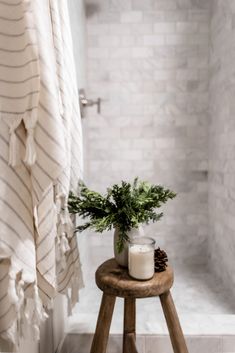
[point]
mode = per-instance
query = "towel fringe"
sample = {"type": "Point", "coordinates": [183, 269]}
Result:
{"type": "Point", "coordinates": [69, 306]}
{"type": "Point", "coordinates": [12, 294]}
{"type": "Point", "coordinates": [30, 314]}
{"type": "Point", "coordinates": [10, 335]}
{"type": "Point", "coordinates": [65, 228]}
{"type": "Point", "coordinates": [72, 293]}
{"type": "Point", "coordinates": [64, 243]}
{"type": "Point", "coordinates": [30, 149]}
{"type": "Point", "coordinates": [39, 314]}
{"type": "Point", "coordinates": [75, 286]}
{"type": "Point", "coordinates": [13, 121]}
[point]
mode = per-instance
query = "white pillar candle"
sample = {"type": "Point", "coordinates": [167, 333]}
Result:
{"type": "Point", "coordinates": [141, 258]}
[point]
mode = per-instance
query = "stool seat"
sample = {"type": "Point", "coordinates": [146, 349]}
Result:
{"type": "Point", "coordinates": [115, 280]}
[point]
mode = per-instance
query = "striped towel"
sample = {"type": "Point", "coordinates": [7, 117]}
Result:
{"type": "Point", "coordinates": [40, 160]}
{"type": "Point", "coordinates": [19, 74]}
{"type": "Point", "coordinates": [69, 270]}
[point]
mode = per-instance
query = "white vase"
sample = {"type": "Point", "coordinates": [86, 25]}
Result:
{"type": "Point", "coordinates": [122, 257]}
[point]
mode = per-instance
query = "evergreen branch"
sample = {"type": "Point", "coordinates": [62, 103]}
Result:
{"type": "Point", "coordinates": [124, 206]}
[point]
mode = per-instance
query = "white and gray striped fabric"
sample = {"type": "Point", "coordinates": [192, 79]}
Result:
{"type": "Point", "coordinates": [19, 73]}
{"type": "Point", "coordinates": [40, 160]}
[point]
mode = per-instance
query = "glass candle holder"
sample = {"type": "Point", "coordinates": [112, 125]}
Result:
{"type": "Point", "coordinates": [141, 258]}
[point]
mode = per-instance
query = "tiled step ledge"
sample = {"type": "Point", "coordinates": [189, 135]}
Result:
{"type": "Point", "coordinates": [81, 343]}
{"type": "Point", "coordinates": [192, 324]}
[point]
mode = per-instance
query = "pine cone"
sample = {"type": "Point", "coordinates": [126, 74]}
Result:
{"type": "Point", "coordinates": [160, 260]}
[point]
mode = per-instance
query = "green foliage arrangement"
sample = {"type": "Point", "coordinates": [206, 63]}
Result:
{"type": "Point", "coordinates": [124, 206]}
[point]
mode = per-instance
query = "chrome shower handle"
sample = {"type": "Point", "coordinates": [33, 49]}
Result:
{"type": "Point", "coordinates": [90, 102]}
{"type": "Point", "coordinates": [85, 102]}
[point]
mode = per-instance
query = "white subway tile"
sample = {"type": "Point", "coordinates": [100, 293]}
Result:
{"type": "Point", "coordinates": [154, 40]}
{"type": "Point", "coordinates": [92, 41]}
{"type": "Point", "coordinates": [165, 5]}
{"type": "Point", "coordinates": [132, 17]}
{"type": "Point", "coordinates": [176, 16]}
{"type": "Point", "coordinates": [142, 5]}
{"type": "Point", "coordinates": [120, 76]}
{"type": "Point", "coordinates": [96, 29]}
{"type": "Point", "coordinates": [182, 39]}
{"type": "Point", "coordinates": [109, 17]}
{"type": "Point", "coordinates": [142, 28]}
{"type": "Point", "coordinates": [120, 5]}
{"type": "Point", "coordinates": [98, 53]}
{"type": "Point", "coordinates": [204, 27]}
{"type": "Point", "coordinates": [198, 62]}
{"type": "Point", "coordinates": [108, 41]}
{"type": "Point", "coordinates": [142, 143]}
{"type": "Point", "coordinates": [141, 52]}
{"type": "Point", "coordinates": [199, 15]}
{"type": "Point", "coordinates": [164, 27]}
{"type": "Point", "coordinates": [120, 53]}
{"type": "Point", "coordinates": [187, 27]}
{"type": "Point", "coordinates": [153, 16]}
{"type": "Point", "coordinates": [118, 29]}
{"type": "Point", "coordinates": [127, 41]}
{"type": "Point", "coordinates": [164, 74]}
{"type": "Point", "coordinates": [133, 155]}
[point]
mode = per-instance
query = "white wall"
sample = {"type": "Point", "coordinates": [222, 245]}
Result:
{"type": "Point", "coordinates": [222, 142]}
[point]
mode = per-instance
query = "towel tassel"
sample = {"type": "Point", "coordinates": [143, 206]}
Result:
{"type": "Point", "coordinates": [39, 314]}
{"type": "Point", "coordinates": [62, 248]}
{"type": "Point", "coordinates": [64, 229]}
{"type": "Point", "coordinates": [12, 121]}
{"type": "Point", "coordinates": [12, 149]}
{"type": "Point", "coordinates": [20, 291]}
{"type": "Point", "coordinates": [64, 244]}
{"type": "Point", "coordinates": [13, 297]}
{"type": "Point", "coordinates": [30, 149]}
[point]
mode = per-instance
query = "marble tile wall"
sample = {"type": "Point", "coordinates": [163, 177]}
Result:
{"type": "Point", "coordinates": [148, 61]}
{"type": "Point", "coordinates": [222, 142]}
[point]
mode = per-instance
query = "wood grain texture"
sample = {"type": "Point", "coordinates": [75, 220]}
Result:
{"type": "Point", "coordinates": [100, 339]}
{"type": "Point", "coordinates": [115, 280]}
{"type": "Point", "coordinates": [172, 320]}
{"type": "Point", "coordinates": [129, 326]}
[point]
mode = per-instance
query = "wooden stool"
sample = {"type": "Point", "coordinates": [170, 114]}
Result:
{"type": "Point", "coordinates": [114, 281]}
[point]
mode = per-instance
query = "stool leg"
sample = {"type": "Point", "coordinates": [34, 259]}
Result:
{"type": "Point", "coordinates": [100, 339]}
{"type": "Point", "coordinates": [129, 326]}
{"type": "Point", "coordinates": [172, 320]}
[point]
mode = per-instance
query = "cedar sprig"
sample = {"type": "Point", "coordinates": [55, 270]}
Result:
{"type": "Point", "coordinates": [124, 206]}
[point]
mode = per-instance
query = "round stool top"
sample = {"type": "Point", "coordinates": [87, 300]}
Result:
{"type": "Point", "coordinates": [114, 280]}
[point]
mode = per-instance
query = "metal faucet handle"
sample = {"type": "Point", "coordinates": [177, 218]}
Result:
{"type": "Point", "coordinates": [85, 102]}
